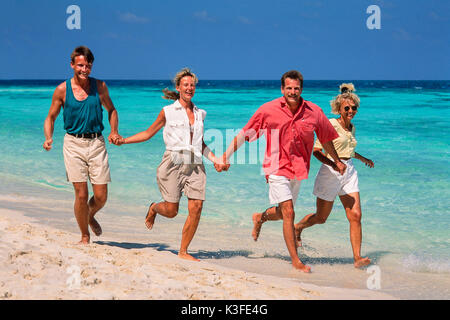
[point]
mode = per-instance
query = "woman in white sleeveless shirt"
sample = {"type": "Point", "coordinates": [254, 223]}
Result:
{"type": "Point", "coordinates": [330, 183]}
{"type": "Point", "coordinates": [181, 169]}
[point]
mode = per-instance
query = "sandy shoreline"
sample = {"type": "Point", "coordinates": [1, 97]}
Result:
{"type": "Point", "coordinates": [42, 262]}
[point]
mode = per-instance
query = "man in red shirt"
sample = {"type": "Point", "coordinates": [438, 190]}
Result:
{"type": "Point", "coordinates": [288, 123]}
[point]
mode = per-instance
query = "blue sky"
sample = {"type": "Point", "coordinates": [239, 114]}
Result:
{"type": "Point", "coordinates": [228, 39]}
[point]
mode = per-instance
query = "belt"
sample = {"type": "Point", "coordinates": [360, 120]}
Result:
{"type": "Point", "coordinates": [86, 135]}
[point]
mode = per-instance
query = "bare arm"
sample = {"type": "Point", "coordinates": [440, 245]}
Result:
{"type": "Point", "coordinates": [55, 108]}
{"type": "Point", "coordinates": [147, 134]}
{"type": "Point", "coordinates": [206, 151]}
{"type": "Point", "coordinates": [237, 142]}
{"type": "Point", "coordinates": [323, 158]}
{"type": "Point", "coordinates": [329, 148]}
{"type": "Point", "coordinates": [223, 164]}
{"type": "Point", "coordinates": [219, 165]}
{"type": "Point", "coordinates": [366, 161]}
{"type": "Point", "coordinates": [113, 116]}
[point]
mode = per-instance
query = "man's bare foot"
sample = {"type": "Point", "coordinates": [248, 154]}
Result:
{"type": "Point", "coordinates": [298, 232]}
{"type": "Point", "coordinates": [95, 226]}
{"type": "Point", "coordinates": [302, 267]}
{"type": "Point", "coordinates": [187, 256]}
{"type": "Point", "coordinates": [257, 224]}
{"type": "Point", "coordinates": [361, 262]}
{"type": "Point", "coordinates": [150, 217]}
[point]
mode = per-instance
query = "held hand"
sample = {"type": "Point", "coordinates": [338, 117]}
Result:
{"type": "Point", "coordinates": [116, 139]}
{"type": "Point", "coordinates": [48, 144]}
{"type": "Point", "coordinates": [113, 137]}
{"type": "Point", "coordinates": [340, 167]}
{"type": "Point", "coordinates": [218, 167]}
{"type": "Point", "coordinates": [119, 141]}
{"type": "Point", "coordinates": [221, 165]}
{"type": "Point", "coordinates": [225, 164]}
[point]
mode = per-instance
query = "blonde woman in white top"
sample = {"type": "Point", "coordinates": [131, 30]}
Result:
{"type": "Point", "coordinates": [181, 169]}
{"type": "Point", "coordinates": [330, 184]}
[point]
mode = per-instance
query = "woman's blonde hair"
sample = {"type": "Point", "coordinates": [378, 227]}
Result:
{"type": "Point", "coordinates": [346, 90]}
{"type": "Point", "coordinates": [175, 95]}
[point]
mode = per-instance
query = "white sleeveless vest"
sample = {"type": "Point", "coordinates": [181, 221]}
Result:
{"type": "Point", "coordinates": [177, 130]}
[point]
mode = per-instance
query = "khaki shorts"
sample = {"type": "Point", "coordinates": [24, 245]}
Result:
{"type": "Point", "coordinates": [86, 158]}
{"type": "Point", "coordinates": [175, 179]}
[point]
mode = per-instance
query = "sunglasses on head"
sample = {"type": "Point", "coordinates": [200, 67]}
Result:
{"type": "Point", "coordinates": [354, 108]}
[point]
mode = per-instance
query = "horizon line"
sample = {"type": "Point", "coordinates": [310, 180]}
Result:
{"type": "Point", "coordinates": [105, 79]}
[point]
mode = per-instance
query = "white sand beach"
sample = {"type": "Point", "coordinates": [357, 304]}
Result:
{"type": "Point", "coordinates": [42, 262]}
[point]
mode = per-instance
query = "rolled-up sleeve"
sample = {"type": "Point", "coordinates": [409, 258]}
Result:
{"type": "Point", "coordinates": [325, 131]}
{"type": "Point", "coordinates": [254, 127]}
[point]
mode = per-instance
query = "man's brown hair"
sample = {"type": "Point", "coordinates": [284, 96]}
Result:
{"type": "Point", "coordinates": [293, 74]}
{"type": "Point", "coordinates": [82, 51]}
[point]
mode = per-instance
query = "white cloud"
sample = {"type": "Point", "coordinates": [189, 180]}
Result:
{"type": "Point", "coordinates": [402, 34]}
{"type": "Point", "coordinates": [314, 4]}
{"type": "Point", "coordinates": [437, 17]}
{"type": "Point", "coordinates": [132, 18]}
{"type": "Point", "coordinates": [302, 37]}
{"type": "Point", "coordinates": [111, 35]}
{"type": "Point", "coordinates": [203, 15]}
{"type": "Point", "coordinates": [244, 20]}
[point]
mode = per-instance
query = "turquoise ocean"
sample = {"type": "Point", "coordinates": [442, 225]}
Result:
{"type": "Point", "coordinates": [401, 125]}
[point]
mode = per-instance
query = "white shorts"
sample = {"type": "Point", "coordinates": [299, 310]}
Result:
{"type": "Point", "coordinates": [86, 159]}
{"type": "Point", "coordinates": [283, 189]}
{"type": "Point", "coordinates": [329, 183]}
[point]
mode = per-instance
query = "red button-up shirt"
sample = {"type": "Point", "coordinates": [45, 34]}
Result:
{"type": "Point", "coordinates": [289, 137]}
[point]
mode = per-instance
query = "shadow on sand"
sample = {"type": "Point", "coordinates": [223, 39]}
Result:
{"type": "Point", "coordinates": [221, 254]}
{"type": "Point", "coordinates": [225, 254]}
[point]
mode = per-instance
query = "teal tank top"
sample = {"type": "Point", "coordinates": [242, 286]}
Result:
{"type": "Point", "coordinates": [83, 116]}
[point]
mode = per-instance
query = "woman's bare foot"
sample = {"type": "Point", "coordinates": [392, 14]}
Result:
{"type": "Point", "coordinates": [95, 226]}
{"type": "Point", "coordinates": [257, 224]}
{"type": "Point", "coordinates": [187, 256]}
{"type": "Point", "coordinates": [298, 232]}
{"type": "Point", "coordinates": [150, 217]}
{"type": "Point", "coordinates": [302, 267]}
{"type": "Point", "coordinates": [85, 240]}
{"type": "Point", "coordinates": [361, 262]}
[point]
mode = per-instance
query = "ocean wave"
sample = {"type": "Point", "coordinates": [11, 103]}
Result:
{"type": "Point", "coordinates": [18, 198]}
{"type": "Point", "coordinates": [426, 264]}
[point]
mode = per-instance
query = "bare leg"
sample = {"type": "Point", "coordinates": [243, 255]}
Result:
{"type": "Point", "coordinates": [323, 210]}
{"type": "Point", "coordinates": [166, 209]}
{"type": "Point", "coordinates": [287, 210]}
{"type": "Point", "coordinates": [190, 227]}
{"type": "Point", "coordinates": [97, 202]}
{"type": "Point", "coordinates": [352, 205]}
{"type": "Point", "coordinates": [272, 213]}
{"type": "Point", "coordinates": [81, 210]}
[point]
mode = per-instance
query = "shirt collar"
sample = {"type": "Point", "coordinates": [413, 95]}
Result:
{"type": "Point", "coordinates": [284, 104]}
{"type": "Point", "coordinates": [179, 106]}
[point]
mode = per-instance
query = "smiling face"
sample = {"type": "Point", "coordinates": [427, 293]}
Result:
{"type": "Point", "coordinates": [81, 67]}
{"type": "Point", "coordinates": [186, 88]}
{"type": "Point", "coordinates": [292, 91]}
{"type": "Point", "coordinates": [346, 111]}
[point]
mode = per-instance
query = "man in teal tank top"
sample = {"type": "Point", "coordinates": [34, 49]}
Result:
{"type": "Point", "coordinates": [85, 155]}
